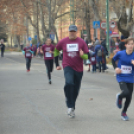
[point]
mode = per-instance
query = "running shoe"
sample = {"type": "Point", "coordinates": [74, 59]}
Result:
{"type": "Point", "coordinates": [118, 101]}
{"type": "Point", "coordinates": [50, 82]}
{"type": "Point", "coordinates": [88, 70]}
{"type": "Point", "coordinates": [124, 117]}
{"type": "Point", "coordinates": [71, 113]}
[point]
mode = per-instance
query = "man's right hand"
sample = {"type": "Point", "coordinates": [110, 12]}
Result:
{"type": "Point", "coordinates": [118, 71]}
{"type": "Point", "coordinates": [58, 68]}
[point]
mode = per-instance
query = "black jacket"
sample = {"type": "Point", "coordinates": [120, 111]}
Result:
{"type": "Point", "coordinates": [103, 43]}
{"type": "Point", "coordinates": [2, 47]}
{"type": "Point", "coordinates": [122, 46]}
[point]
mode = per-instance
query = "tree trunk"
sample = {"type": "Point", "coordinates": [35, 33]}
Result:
{"type": "Point", "coordinates": [129, 25]}
{"type": "Point", "coordinates": [56, 35]}
{"type": "Point", "coordinates": [11, 41]}
{"type": "Point", "coordinates": [44, 29]}
{"type": "Point", "coordinates": [97, 17]}
{"type": "Point", "coordinates": [18, 40]}
{"type": "Point", "coordinates": [87, 21]}
{"type": "Point", "coordinates": [38, 34]}
{"type": "Point", "coordinates": [49, 12]}
{"type": "Point", "coordinates": [27, 29]}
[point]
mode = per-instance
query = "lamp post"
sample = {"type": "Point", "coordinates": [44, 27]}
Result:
{"type": "Point", "coordinates": [107, 20]}
{"type": "Point", "coordinates": [72, 12]}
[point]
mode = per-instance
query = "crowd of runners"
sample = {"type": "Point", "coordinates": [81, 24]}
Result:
{"type": "Point", "coordinates": [75, 50]}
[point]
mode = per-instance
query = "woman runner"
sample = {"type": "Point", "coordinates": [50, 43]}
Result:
{"type": "Point", "coordinates": [48, 49]}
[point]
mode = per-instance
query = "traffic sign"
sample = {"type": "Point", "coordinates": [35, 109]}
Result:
{"type": "Point", "coordinates": [96, 24]}
{"type": "Point", "coordinates": [35, 37]}
{"type": "Point", "coordinates": [112, 24]}
{"type": "Point", "coordinates": [103, 25]}
{"type": "Point", "coordinates": [110, 32]}
{"type": "Point", "coordinates": [29, 38]}
{"type": "Point", "coordinates": [52, 36]}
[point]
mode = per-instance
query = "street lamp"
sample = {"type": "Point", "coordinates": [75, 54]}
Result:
{"type": "Point", "coordinates": [107, 20]}
{"type": "Point", "coordinates": [72, 12]}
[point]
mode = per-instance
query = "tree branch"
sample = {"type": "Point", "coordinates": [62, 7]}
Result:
{"type": "Point", "coordinates": [64, 14]}
{"type": "Point", "coordinates": [28, 14]}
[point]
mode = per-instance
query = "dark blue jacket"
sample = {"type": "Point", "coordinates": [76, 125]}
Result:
{"type": "Point", "coordinates": [97, 48]}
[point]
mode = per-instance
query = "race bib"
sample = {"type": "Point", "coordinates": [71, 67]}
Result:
{"type": "Point", "coordinates": [72, 47]}
{"type": "Point", "coordinates": [28, 54]}
{"type": "Point", "coordinates": [126, 69]}
{"type": "Point", "coordinates": [72, 54]}
{"type": "Point", "coordinates": [47, 54]}
{"type": "Point", "coordinates": [93, 59]}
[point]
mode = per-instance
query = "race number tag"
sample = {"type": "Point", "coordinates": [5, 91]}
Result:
{"type": "Point", "coordinates": [28, 54]}
{"type": "Point", "coordinates": [72, 47]}
{"type": "Point", "coordinates": [47, 54]}
{"type": "Point", "coordinates": [93, 59]}
{"type": "Point", "coordinates": [126, 69]}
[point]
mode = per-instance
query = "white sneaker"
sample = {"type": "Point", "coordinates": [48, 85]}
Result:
{"type": "Point", "coordinates": [71, 112]}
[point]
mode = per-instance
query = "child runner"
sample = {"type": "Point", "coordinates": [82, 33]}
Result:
{"type": "Point", "coordinates": [27, 51]}
{"type": "Point", "coordinates": [93, 58]}
{"type": "Point", "coordinates": [125, 76]}
{"type": "Point", "coordinates": [90, 48]}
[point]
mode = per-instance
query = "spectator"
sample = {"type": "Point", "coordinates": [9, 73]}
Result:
{"type": "Point", "coordinates": [2, 46]}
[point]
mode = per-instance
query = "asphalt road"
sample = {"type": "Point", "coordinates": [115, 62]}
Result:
{"type": "Point", "coordinates": [29, 105]}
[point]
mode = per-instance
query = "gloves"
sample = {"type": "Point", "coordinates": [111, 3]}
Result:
{"type": "Point", "coordinates": [31, 51]}
{"type": "Point", "coordinates": [23, 52]}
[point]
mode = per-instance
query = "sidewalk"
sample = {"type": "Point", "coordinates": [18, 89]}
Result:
{"type": "Point", "coordinates": [13, 53]}
{"type": "Point", "coordinates": [109, 70]}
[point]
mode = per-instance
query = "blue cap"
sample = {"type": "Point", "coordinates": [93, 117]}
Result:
{"type": "Point", "coordinates": [72, 28]}
{"type": "Point", "coordinates": [123, 37]}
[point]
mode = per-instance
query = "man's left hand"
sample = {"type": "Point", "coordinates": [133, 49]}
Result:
{"type": "Point", "coordinates": [81, 52]}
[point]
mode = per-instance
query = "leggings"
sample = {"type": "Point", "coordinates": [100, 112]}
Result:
{"type": "Point", "coordinates": [49, 67]}
{"type": "Point", "coordinates": [28, 63]}
{"type": "Point", "coordinates": [127, 90]}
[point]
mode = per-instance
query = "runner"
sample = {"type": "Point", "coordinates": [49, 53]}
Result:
{"type": "Point", "coordinates": [48, 49]}
{"type": "Point", "coordinates": [74, 51]}
{"type": "Point", "coordinates": [125, 75]}
{"type": "Point", "coordinates": [92, 58]}
{"type": "Point", "coordinates": [27, 51]}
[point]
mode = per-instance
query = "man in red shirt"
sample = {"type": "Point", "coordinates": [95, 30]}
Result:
{"type": "Point", "coordinates": [74, 51]}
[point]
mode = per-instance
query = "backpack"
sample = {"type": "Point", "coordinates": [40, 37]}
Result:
{"type": "Point", "coordinates": [99, 53]}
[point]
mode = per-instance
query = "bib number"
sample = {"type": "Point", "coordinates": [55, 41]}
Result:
{"type": "Point", "coordinates": [126, 69]}
{"type": "Point", "coordinates": [93, 59]}
{"type": "Point", "coordinates": [72, 47]}
{"type": "Point", "coordinates": [47, 54]}
{"type": "Point", "coordinates": [28, 54]}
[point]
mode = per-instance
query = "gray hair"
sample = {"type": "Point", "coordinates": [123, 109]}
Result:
{"type": "Point", "coordinates": [97, 42]}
